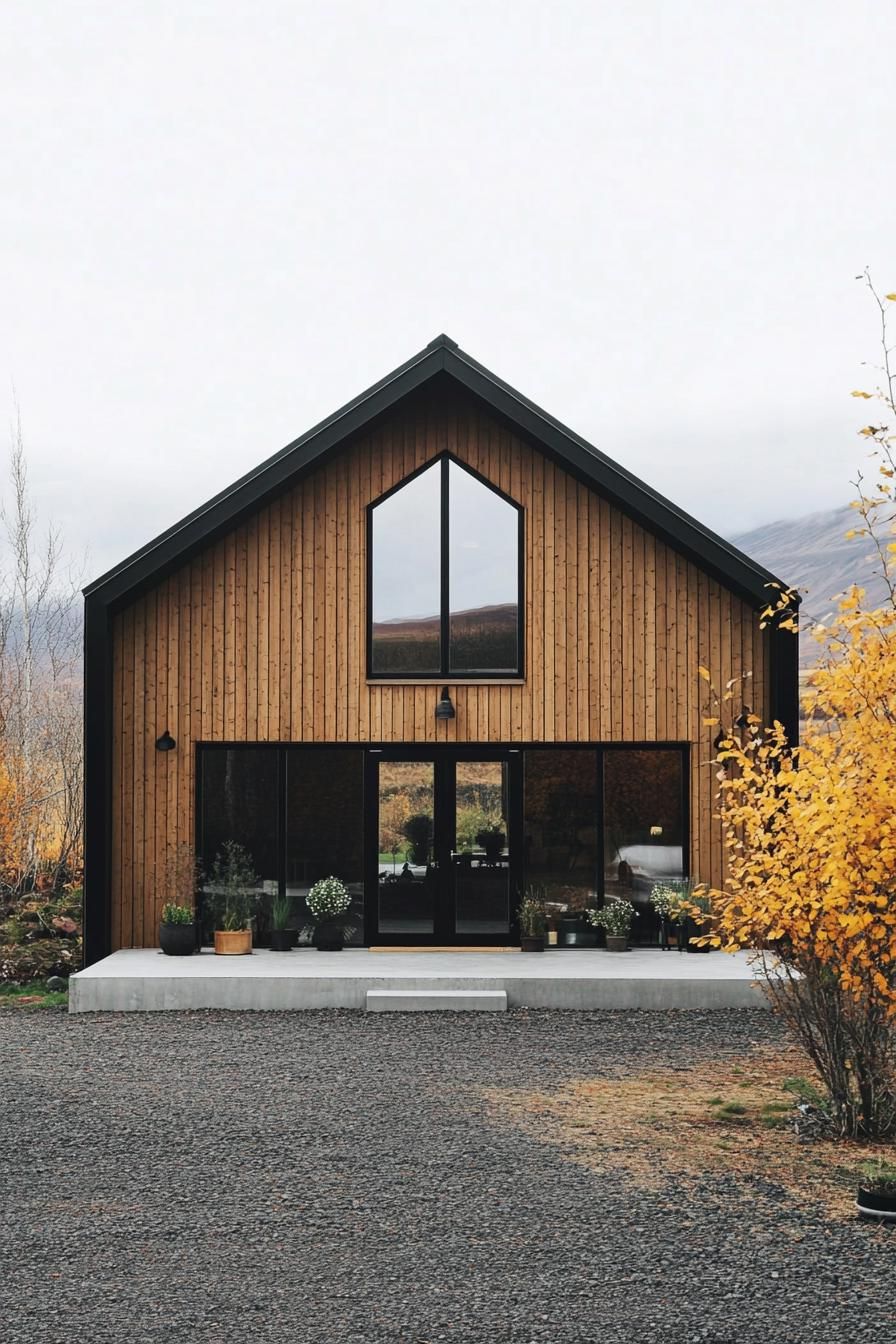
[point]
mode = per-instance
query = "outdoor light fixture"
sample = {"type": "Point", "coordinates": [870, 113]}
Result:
{"type": "Point", "coordinates": [166, 742]}
{"type": "Point", "coordinates": [445, 709]}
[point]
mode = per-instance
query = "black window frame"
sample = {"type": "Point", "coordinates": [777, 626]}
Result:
{"type": "Point", "coordinates": [444, 674]}
{"type": "Point", "coordinates": [372, 751]}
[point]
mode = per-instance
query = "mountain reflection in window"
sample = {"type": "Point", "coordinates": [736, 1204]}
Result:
{"type": "Point", "coordinates": [445, 603]}
{"type": "Point", "coordinates": [483, 576]}
{"type": "Point", "coordinates": [406, 635]}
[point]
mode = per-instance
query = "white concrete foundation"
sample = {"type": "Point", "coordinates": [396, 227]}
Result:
{"type": "Point", "coordinates": [143, 980]}
{"type": "Point", "coordinates": [436, 1000]}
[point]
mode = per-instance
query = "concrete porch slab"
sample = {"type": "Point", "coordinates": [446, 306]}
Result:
{"type": "Point", "coordinates": [143, 980]}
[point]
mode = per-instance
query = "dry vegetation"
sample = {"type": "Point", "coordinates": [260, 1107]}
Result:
{"type": "Point", "coordinates": [41, 805]}
{"type": "Point", "coordinates": [731, 1117]}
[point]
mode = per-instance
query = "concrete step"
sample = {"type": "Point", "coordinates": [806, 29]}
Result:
{"type": "Point", "coordinates": [436, 1000]}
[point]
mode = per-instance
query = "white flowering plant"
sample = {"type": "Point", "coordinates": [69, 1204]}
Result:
{"type": "Point", "coordinates": [666, 900]}
{"type": "Point", "coordinates": [616, 917]}
{"type": "Point", "coordinates": [327, 898]}
{"type": "Point", "coordinates": [680, 900]}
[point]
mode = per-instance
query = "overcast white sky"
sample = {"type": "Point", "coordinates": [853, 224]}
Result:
{"type": "Point", "coordinates": [220, 221]}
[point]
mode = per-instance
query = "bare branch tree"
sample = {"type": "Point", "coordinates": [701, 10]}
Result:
{"type": "Point", "coordinates": [40, 692]}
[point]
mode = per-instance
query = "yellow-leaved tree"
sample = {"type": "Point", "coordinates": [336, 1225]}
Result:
{"type": "Point", "coordinates": [811, 830]}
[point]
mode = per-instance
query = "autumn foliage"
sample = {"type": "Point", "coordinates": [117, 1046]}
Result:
{"type": "Point", "coordinates": [811, 831]}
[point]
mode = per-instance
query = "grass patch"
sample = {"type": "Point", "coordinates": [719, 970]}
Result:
{"type": "Point", "coordinates": [732, 1110]}
{"type": "Point", "coordinates": [33, 995]}
{"type": "Point", "coordinates": [660, 1125]}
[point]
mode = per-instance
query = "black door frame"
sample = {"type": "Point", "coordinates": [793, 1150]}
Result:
{"type": "Point", "coordinates": [444, 757]}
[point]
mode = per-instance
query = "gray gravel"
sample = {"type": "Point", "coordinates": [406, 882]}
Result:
{"type": "Point", "coordinates": [334, 1177]}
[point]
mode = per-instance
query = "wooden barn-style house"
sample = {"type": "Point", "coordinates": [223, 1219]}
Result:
{"type": "Point", "coordinates": [439, 647]}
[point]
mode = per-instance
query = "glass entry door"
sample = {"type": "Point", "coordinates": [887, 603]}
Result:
{"type": "Point", "coordinates": [443, 840]}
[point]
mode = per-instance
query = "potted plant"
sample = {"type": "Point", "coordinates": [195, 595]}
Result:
{"type": "Point", "coordinates": [876, 1195]}
{"type": "Point", "coordinates": [177, 931]}
{"type": "Point", "coordinates": [492, 839]}
{"type": "Point", "coordinates": [616, 918]}
{"type": "Point", "coordinates": [417, 830]}
{"type": "Point", "coordinates": [327, 900]}
{"type": "Point", "coordinates": [182, 878]}
{"type": "Point", "coordinates": [282, 937]}
{"type": "Point", "coordinates": [665, 900]}
{"type": "Point", "coordinates": [533, 921]}
{"type": "Point", "coordinates": [233, 889]}
{"type": "Point", "coordinates": [573, 928]}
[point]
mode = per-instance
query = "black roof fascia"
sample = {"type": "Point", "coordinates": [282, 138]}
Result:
{"type": "Point", "coordinates": [267, 478]}
{"type": "Point", "coordinates": [441, 356]}
{"type": "Point", "coordinates": [633, 495]}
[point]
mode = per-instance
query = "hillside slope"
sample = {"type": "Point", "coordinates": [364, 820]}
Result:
{"type": "Point", "coordinates": [813, 554]}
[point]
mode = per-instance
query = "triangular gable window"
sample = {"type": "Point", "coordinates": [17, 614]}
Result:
{"type": "Point", "coordinates": [445, 581]}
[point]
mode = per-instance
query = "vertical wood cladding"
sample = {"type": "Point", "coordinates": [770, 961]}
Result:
{"type": "Point", "coordinates": [261, 637]}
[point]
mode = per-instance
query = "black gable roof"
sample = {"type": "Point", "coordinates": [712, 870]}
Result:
{"type": "Point", "coordinates": [441, 359]}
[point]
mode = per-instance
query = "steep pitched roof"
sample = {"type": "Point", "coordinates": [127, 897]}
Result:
{"type": "Point", "coordinates": [442, 358]}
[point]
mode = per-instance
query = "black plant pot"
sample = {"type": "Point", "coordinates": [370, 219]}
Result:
{"type": "Point", "coordinates": [177, 940]}
{"type": "Point", "coordinates": [329, 936]}
{"type": "Point", "coordinates": [692, 930]}
{"type": "Point", "coordinates": [875, 1204]}
{"type": "Point", "coordinates": [282, 939]}
{"type": "Point", "coordinates": [533, 944]}
{"type": "Point", "coordinates": [572, 932]}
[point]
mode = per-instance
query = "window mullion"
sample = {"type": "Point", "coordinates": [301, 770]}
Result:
{"type": "Point", "coordinates": [445, 594]}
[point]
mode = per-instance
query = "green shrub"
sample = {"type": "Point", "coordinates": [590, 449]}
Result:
{"type": "Point", "coordinates": [731, 1109]}
{"type": "Point", "coordinates": [281, 910]}
{"type": "Point", "coordinates": [176, 914]}
{"type": "Point", "coordinates": [533, 920]}
{"type": "Point", "coordinates": [233, 890]}
{"type": "Point", "coordinates": [417, 831]}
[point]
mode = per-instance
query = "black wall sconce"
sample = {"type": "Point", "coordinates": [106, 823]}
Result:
{"type": "Point", "coordinates": [166, 742]}
{"type": "Point", "coordinates": [445, 709]}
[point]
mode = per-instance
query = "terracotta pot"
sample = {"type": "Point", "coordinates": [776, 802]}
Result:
{"type": "Point", "coordinates": [233, 942]}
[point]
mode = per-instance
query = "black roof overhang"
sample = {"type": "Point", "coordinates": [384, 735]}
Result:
{"type": "Point", "coordinates": [441, 360]}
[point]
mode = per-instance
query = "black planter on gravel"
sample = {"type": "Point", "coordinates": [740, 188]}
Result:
{"type": "Point", "coordinates": [177, 940]}
{"type": "Point", "coordinates": [329, 936]}
{"type": "Point", "coordinates": [282, 940]}
{"type": "Point", "coordinates": [876, 1204]}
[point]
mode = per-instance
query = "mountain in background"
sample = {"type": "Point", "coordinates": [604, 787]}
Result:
{"type": "Point", "coordinates": [813, 554]}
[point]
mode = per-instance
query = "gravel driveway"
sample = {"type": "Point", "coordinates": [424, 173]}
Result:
{"type": "Point", "coordinates": [335, 1177]}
